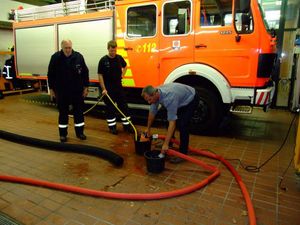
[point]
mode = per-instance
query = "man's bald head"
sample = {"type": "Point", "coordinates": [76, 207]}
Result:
{"type": "Point", "coordinates": [66, 46]}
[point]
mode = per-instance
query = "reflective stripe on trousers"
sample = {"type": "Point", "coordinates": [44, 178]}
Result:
{"type": "Point", "coordinates": [79, 124]}
{"type": "Point", "coordinates": [125, 120]}
{"type": "Point", "coordinates": [111, 122]}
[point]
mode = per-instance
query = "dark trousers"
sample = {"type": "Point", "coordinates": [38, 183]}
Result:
{"type": "Point", "coordinates": [118, 97]}
{"type": "Point", "coordinates": [64, 102]}
{"type": "Point", "coordinates": [185, 114]}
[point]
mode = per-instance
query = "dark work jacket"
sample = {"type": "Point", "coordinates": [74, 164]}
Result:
{"type": "Point", "coordinates": [111, 70]}
{"type": "Point", "coordinates": [67, 75]}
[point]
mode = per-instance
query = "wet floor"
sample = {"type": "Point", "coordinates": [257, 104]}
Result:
{"type": "Point", "coordinates": [252, 139]}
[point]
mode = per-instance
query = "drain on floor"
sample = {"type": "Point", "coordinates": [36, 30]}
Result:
{"type": "Point", "coordinates": [6, 220]}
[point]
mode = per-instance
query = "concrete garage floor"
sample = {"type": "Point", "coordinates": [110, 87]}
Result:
{"type": "Point", "coordinates": [251, 138]}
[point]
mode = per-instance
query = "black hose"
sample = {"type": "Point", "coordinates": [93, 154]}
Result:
{"type": "Point", "coordinates": [64, 147]}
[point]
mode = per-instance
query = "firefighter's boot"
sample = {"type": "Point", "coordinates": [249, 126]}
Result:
{"type": "Point", "coordinates": [126, 124]}
{"type": "Point", "coordinates": [63, 132]}
{"type": "Point", "coordinates": [79, 133]}
{"type": "Point", "coordinates": [113, 129]}
{"type": "Point", "coordinates": [112, 125]}
{"type": "Point", "coordinates": [128, 129]}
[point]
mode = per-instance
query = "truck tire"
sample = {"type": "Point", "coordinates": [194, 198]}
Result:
{"type": "Point", "coordinates": [208, 114]}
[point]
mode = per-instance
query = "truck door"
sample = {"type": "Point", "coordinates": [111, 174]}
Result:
{"type": "Point", "coordinates": [176, 40]}
{"type": "Point", "coordinates": [137, 37]}
{"type": "Point", "coordinates": [217, 44]}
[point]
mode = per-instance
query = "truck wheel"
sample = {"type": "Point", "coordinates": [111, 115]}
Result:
{"type": "Point", "coordinates": [208, 113]}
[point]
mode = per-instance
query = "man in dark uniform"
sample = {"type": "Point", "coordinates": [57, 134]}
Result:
{"type": "Point", "coordinates": [68, 78]}
{"type": "Point", "coordinates": [111, 69]}
{"type": "Point", "coordinates": [9, 71]}
{"type": "Point", "coordinates": [180, 100]}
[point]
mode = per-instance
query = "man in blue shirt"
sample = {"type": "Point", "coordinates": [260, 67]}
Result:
{"type": "Point", "coordinates": [180, 101]}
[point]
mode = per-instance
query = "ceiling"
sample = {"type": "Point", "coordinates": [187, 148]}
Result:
{"type": "Point", "coordinates": [267, 4]}
{"type": "Point", "coordinates": [48, 2]}
{"type": "Point", "coordinates": [39, 2]}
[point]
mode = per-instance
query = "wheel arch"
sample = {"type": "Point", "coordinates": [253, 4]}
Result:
{"type": "Point", "coordinates": [203, 76]}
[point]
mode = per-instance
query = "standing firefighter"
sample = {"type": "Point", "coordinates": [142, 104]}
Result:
{"type": "Point", "coordinates": [68, 78]}
{"type": "Point", "coordinates": [9, 71]}
{"type": "Point", "coordinates": [111, 69]}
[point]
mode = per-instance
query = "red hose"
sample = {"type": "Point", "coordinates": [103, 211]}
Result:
{"type": "Point", "coordinates": [149, 196]}
{"type": "Point", "coordinates": [129, 196]}
{"type": "Point", "coordinates": [250, 208]}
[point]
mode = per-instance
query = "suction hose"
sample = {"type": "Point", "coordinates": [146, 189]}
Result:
{"type": "Point", "coordinates": [250, 208]}
{"type": "Point", "coordinates": [150, 196]}
{"type": "Point", "coordinates": [64, 147]}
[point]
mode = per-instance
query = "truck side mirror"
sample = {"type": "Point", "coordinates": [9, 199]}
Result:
{"type": "Point", "coordinates": [241, 6]}
{"type": "Point", "coordinates": [273, 32]}
{"type": "Point", "coordinates": [244, 5]}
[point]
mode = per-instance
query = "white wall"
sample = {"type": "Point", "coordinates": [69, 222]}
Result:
{"type": "Point", "coordinates": [7, 5]}
{"type": "Point", "coordinates": [6, 36]}
{"type": "Point", "coordinates": [6, 42]}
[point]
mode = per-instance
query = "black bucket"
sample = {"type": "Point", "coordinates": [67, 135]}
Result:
{"type": "Point", "coordinates": [155, 164]}
{"type": "Point", "coordinates": [142, 146]}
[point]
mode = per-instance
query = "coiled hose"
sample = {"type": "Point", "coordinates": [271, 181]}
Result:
{"type": "Point", "coordinates": [151, 196]}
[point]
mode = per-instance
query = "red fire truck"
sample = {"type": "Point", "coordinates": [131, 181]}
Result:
{"type": "Point", "coordinates": [221, 47]}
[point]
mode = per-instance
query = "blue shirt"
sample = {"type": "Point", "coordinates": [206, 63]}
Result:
{"type": "Point", "coordinates": [173, 96]}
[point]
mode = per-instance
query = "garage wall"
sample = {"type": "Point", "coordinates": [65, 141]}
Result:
{"type": "Point", "coordinates": [5, 43]}
{"type": "Point", "coordinates": [6, 36]}
{"type": "Point", "coordinates": [7, 5]}
{"type": "Point", "coordinates": [290, 30]}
